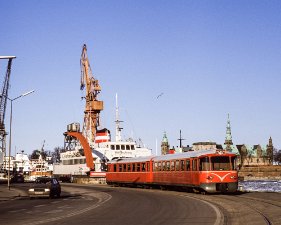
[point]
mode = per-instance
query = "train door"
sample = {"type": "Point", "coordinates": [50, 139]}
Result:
{"type": "Point", "coordinates": [149, 167]}
{"type": "Point", "coordinates": [195, 172]}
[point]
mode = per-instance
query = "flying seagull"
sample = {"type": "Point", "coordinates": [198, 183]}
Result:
{"type": "Point", "coordinates": [160, 95]}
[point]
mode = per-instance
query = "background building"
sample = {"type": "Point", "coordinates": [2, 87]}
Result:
{"type": "Point", "coordinates": [165, 147]}
{"type": "Point", "coordinates": [197, 146]}
{"type": "Point", "coordinates": [248, 155]}
{"type": "Point", "coordinates": [256, 155]}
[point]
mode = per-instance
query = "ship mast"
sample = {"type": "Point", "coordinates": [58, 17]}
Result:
{"type": "Point", "coordinates": [117, 122]}
{"type": "Point", "coordinates": [181, 139]}
{"type": "Point", "coordinates": [93, 107]}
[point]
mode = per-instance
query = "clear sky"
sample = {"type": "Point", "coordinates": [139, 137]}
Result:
{"type": "Point", "coordinates": [208, 58]}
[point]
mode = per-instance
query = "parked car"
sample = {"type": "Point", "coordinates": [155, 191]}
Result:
{"type": "Point", "coordinates": [45, 187]}
{"type": "Point", "coordinates": [17, 178]}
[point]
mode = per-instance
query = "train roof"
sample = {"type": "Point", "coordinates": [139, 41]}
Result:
{"type": "Point", "coordinates": [134, 159]}
{"type": "Point", "coordinates": [189, 154]}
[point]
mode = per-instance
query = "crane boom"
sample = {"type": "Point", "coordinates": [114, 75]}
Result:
{"type": "Point", "coordinates": [93, 107]}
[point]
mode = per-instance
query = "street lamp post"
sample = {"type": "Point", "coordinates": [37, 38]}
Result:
{"type": "Point", "coordinates": [10, 139]}
{"type": "Point", "coordinates": [22, 165]}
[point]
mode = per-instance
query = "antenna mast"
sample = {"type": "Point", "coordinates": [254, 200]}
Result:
{"type": "Point", "coordinates": [117, 122]}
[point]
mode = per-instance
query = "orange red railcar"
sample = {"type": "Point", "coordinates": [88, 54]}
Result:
{"type": "Point", "coordinates": [206, 170]}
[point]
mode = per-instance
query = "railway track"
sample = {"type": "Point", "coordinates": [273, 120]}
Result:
{"type": "Point", "coordinates": [242, 209]}
{"type": "Point", "coordinates": [236, 209]}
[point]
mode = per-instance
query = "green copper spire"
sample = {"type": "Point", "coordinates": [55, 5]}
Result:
{"type": "Point", "coordinates": [228, 137]}
{"type": "Point", "coordinates": [165, 139]}
{"type": "Point", "coordinates": [228, 130]}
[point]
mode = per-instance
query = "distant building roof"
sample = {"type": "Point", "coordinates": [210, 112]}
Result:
{"type": "Point", "coordinates": [205, 143]}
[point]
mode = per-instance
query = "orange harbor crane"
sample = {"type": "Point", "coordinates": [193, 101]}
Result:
{"type": "Point", "coordinates": [93, 107]}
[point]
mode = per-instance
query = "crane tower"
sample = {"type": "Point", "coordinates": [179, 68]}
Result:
{"type": "Point", "coordinates": [3, 103]}
{"type": "Point", "coordinates": [93, 106]}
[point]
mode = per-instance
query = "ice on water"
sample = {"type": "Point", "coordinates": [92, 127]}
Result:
{"type": "Point", "coordinates": [261, 186]}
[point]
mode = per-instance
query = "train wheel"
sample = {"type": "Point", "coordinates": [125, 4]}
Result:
{"type": "Point", "coordinates": [195, 191]}
{"type": "Point", "coordinates": [163, 188]}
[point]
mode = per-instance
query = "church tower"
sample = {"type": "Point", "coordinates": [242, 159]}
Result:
{"type": "Point", "coordinates": [269, 151]}
{"type": "Point", "coordinates": [165, 145]}
{"type": "Point", "coordinates": [228, 138]}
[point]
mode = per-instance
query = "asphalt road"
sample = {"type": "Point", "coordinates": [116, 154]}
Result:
{"type": "Point", "coordinates": [106, 205]}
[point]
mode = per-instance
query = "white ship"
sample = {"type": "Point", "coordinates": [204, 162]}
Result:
{"type": "Point", "coordinates": [73, 162]}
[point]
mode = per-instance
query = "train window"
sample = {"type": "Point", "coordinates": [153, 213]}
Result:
{"type": "Point", "coordinates": [114, 168]}
{"type": "Point", "coordinates": [194, 165]}
{"type": "Point", "coordinates": [124, 167]}
{"type": "Point", "coordinates": [187, 165]}
{"type": "Point", "coordinates": [117, 147]}
{"type": "Point", "coordinates": [233, 163]}
{"type": "Point", "coordinates": [112, 147]}
{"type": "Point", "coordinates": [159, 166]}
{"type": "Point", "coordinates": [143, 167]}
{"type": "Point", "coordinates": [129, 167]}
{"type": "Point", "coordinates": [132, 147]}
{"type": "Point", "coordinates": [220, 163]}
{"type": "Point", "coordinates": [182, 165]}
{"type": "Point", "coordinates": [147, 166]}
{"type": "Point", "coordinates": [163, 166]}
{"type": "Point", "coordinates": [122, 147]}
{"type": "Point", "coordinates": [155, 166]}
{"type": "Point", "coordinates": [133, 167]}
{"type": "Point", "coordinates": [127, 147]}
{"type": "Point", "coordinates": [168, 165]}
{"type": "Point", "coordinates": [177, 165]}
{"type": "Point", "coordinates": [138, 167]}
{"type": "Point", "coordinates": [204, 164]}
{"type": "Point", "coordinates": [172, 165]}
{"type": "Point", "coordinates": [120, 168]}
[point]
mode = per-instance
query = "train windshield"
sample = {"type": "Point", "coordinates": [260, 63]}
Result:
{"type": "Point", "coordinates": [221, 163]}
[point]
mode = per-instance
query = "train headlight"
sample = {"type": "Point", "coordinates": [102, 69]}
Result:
{"type": "Point", "coordinates": [233, 177]}
{"type": "Point", "coordinates": [210, 178]}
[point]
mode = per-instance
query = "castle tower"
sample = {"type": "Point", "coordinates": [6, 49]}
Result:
{"type": "Point", "coordinates": [228, 138]}
{"type": "Point", "coordinates": [165, 145]}
{"type": "Point", "coordinates": [269, 151]}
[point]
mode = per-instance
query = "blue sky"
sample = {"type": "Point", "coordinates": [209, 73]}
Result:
{"type": "Point", "coordinates": [209, 58]}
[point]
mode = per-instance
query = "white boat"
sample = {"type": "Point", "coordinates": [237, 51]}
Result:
{"type": "Point", "coordinates": [103, 149]}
